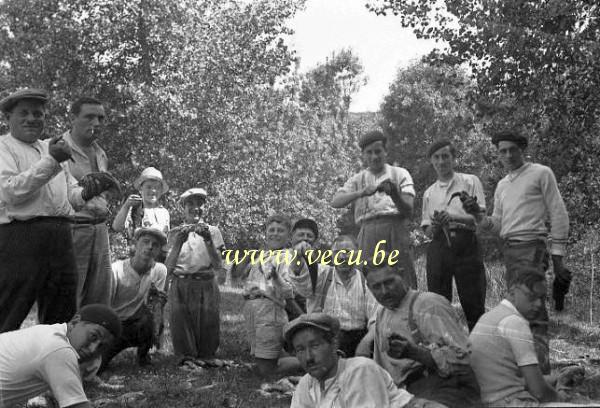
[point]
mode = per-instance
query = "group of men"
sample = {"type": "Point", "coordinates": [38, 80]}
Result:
{"type": "Point", "coordinates": [55, 251]}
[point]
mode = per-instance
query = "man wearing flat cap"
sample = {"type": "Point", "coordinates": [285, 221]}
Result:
{"type": "Point", "coordinates": [193, 265]}
{"type": "Point", "coordinates": [49, 357]}
{"type": "Point", "coordinates": [454, 249]}
{"type": "Point", "coordinates": [133, 280]}
{"type": "Point", "coordinates": [383, 197]}
{"type": "Point", "coordinates": [37, 197]}
{"type": "Point", "coordinates": [334, 381]}
{"type": "Point", "coordinates": [524, 200]}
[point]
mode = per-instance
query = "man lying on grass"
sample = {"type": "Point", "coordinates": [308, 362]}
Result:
{"type": "Point", "coordinates": [503, 353]}
{"type": "Point", "coordinates": [333, 381]}
{"type": "Point", "coordinates": [48, 357]}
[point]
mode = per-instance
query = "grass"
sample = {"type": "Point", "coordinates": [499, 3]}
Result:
{"type": "Point", "coordinates": [166, 385]}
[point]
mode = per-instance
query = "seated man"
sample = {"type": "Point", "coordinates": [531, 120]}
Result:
{"type": "Point", "coordinates": [503, 353]}
{"type": "Point", "coordinates": [341, 292]}
{"type": "Point", "coordinates": [332, 381]}
{"type": "Point", "coordinates": [47, 357]}
{"type": "Point", "coordinates": [418, 339]}
{"type": "Point", "coordinates": [133, 280]}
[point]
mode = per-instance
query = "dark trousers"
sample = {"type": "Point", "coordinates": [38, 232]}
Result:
{"type": "Point", "coordinates": [349, 339]}
{"type": "Point", "coordinates": [36, 265]}
{"type": "Point", "coordinates": [137, 331]}
{"type": "Point", "coordinates": [461, 261]}
{"type": "Point", "coordinates": [531, 253]}
{"type": "Point", "coordinates": [459, 390]}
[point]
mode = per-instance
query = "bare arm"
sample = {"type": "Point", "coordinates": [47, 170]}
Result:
{"type": "Point", "coordinates": [342, 199]}
{"type": "Point", "coordinates": [537, 385]}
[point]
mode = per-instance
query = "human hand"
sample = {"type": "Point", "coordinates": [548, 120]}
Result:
{"type": "Point", "coordinates": [559, 269]}
{"type": "Point", "coordinates": [368, 190]}
{"type": "Point", "coordinates": [440, 218]}
{"type": "Point", "coordinates": [134, 200]}
{"type": "Point", "coordinates": [398, 345]}
{"type": "Point", "coordinates": [204, 232]}
{"type": "Point", "coordinates": [388, 187]}
{"type": "Point", "coordinates": [59, 149]}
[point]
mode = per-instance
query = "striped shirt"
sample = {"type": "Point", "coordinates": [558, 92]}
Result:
{"type": "Point", "coordinates": [352, 303]}
{"type": "Point", "coordinates": [524, 201]}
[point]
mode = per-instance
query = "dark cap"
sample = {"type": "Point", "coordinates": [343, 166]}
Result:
{"type": "Point", "coordinates": [102, 315]}
{"type": "Point", "coordinates": [371, 137]}
{"type": "Point", "coordinates": [321, 321]}
{"type": "Point", "coordinates": [510, 136]}
{"type": "Point", "coordinates": [307, 223]}
{"type": "Point", "coordinates": [8, 103]}
{"type": "Point", "coordinates": [437, 145]}
{"type": "Point", "coordinates": [155, 232]}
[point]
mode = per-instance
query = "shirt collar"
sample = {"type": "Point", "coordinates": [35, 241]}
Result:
{"type": "Point", "coordinates": [67, 136]}
{"type": "Point", "coordinates": [510, 306]}
{"type": "Point", "coordinates": [513, 174]}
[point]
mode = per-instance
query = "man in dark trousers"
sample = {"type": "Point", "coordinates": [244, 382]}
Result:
{"type": "Point", "coordinates": [454, 250]}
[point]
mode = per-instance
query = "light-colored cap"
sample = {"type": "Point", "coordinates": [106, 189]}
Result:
{"type": "Point", "coordinates": [151, 231]}
{"type": "Point", "coordinates": [151, 173]}
{"type": "Point", "coordinates": [321, 321]}
{"type": "Point", "coordinates": [9, 102]}
{"type": "Point", "coordinates": [197, 191]}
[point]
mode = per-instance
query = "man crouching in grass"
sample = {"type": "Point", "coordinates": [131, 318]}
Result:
{"type": "Point", "coordinates": [48, 357]}
{"type": "Point", "coordinates": [266, 289]}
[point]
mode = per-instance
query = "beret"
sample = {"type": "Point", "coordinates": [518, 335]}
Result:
{"type": "Point", "coordinates": [9, 102]}
{"type": "Point", "coordinates": [155, 232]}
{"type": "Point", "coordinates": [371, 137]}
{"type": "Point", "coordinates": [307, 223]}
{"type": "Point", "coordinates": [321, 321]}
{"type": "Point", "coordinates": [509, 136]}
{"type": "Point", "coordinates": [102, 315]}
{"type": "Point", "coordinates": [151, 173]}
{"type": "Point", "coordinates": [193, 192]}
{"type": "Point", "coordinates": [437, 145]}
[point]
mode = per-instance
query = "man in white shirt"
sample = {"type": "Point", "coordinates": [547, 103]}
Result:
{"type": "Point", "coordinates": [524, 200]}
{"type": "Point", "coordinates": [37, 196]}
{"type": "Point", "coordinates": [133, 279]}
{"type": "Point", "coordinates": [454, 249]}
{"type": "Point", "coordinates": [383, 197]}
{"type": "Point", "coordinates": [47, 357]}
{"type": "Point", "coordinates": [503, 355]}
{"type": "Point", "coordinates": [332, 381]}
{"type": "Point", "coordinates": [341, 292]}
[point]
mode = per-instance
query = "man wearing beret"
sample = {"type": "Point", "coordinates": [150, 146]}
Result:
{"type": "Point", "coordinates": [133, 280]}
{"type": "Point", "coordinates": [524, 200]}
{"type": "Point", "coordinates": [333, 381]}
{"type": "Point", "coordinates": [383, 197]}
{"type": "Point", "coordinates": [37, 196]}
{"type": "Point", "coordinates": [193, 265]}
{"type": "Point", "coordinates": [48, 357]}
{"type": "Point", "coordinates": [90, 232]}
{"type": "Point", "coordinates": [454, 249]}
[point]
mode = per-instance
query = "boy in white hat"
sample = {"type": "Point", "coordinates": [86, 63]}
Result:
{"type": "Point", "coordinates": [145, 210]}
{"type": "Point", "coordinates": [193, 264]}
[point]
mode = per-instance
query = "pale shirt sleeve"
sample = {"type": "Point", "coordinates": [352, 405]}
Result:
{"type": "Point", "coordinates": [302, 284]}
{"type": "Point", "coordinates": [371, 307]}
{"type": "Point", "coordinates": [284, 284]}
{"type": "Point", "coordinates": [425, 217]}
{"type": "Point", "coordinates": [160, 276]}
{"type": "Point", "coordinates": [351, 185]}
{"type": "Point", "coordinates": [365, 386]}
{"type": "Point", "coordinates": [74, 191]}
{"type": "Point", "coordinates": [405, 182]}
{"type": "Point", "coordinates": [60, 371]}
{"type": "Point", "coordinates": [477, 191]}
{"type": "Point", "coordinates": [19, 187]}
{"type": "Point", "coordinates": [217, 237]}
{"type": "Point", "coordinates": [518, 334]}
{"type": "Point", "coordinates": [494, 222]}
{"type": "Point", "coordinates": [559, 218]}
{"type": "Point", "coordinates": [445, 337]}
{"type": "Point", "coordinates": [117, 269]}
{"type": "Point", "coordinates": [302, 397]}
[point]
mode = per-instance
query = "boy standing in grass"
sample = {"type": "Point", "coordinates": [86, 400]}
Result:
{"type": "Point", "coordinates": [266, 289]}
{"type": "Point", "coordinates": [193, 265]}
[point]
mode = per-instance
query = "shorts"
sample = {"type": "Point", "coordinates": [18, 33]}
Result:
{"type": "Point", "coordinates": [264, 324]}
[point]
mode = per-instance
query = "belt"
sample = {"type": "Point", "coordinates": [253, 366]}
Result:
{"type": "Point", "coordinates": [378, 217]}
{"type": "Point", "coordinates": [60, 220]}
{"type": "Point", "coordinates": [195, 276]}
{"type": "Point", "coordinates": [517, 243]}
{"type": "Point", "coordinates": [89, 221]}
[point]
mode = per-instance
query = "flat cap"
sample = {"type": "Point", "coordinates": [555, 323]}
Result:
{"type": "Point", "coordinates": [102, 315]}
{"type": "Point", "coordinates": [193, 192]}
{"type": "Point", "coordinates": [371, 137]}
{"type": "Point", "coordinates": [307, 223]}
{"type": "Point", "coordinates": [437, 145]}
{"type": "Point", "coordinates": [9, 102]}
{"type": "Point", "coordinates": [151, 173]}
{"type": "Point", "coordinates": [321, 321]}
{"type": "Point", "coordinates": [155, 232]}
{"type": "Point", "coordinates": [510, 136]}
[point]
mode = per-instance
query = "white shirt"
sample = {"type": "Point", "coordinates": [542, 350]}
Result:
{"type": "Point", "coordinates": [33, 184]}
{"type": "Point", "coordinates": [353, 304]}
{"type": "Point", "coordinates": [129, 289]}
{"type": "Point", "coordinates": [358, 383]}
{"type": "Point", "coordinates": [35, 360]}
{"type": "Point", "coordinates": [194, 255]}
